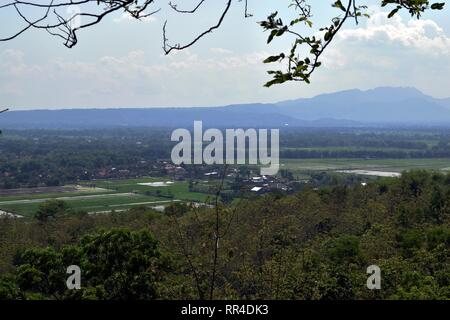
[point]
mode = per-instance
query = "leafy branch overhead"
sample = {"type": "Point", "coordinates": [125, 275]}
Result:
{"type": "Point", "coordinates": [303, 58]}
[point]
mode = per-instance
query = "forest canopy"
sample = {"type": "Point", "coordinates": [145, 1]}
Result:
{"type": "Point", "coordinates": [315, 244]}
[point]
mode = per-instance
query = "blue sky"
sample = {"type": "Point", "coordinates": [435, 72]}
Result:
{"type": "Point", "coordinates": [120, 63]}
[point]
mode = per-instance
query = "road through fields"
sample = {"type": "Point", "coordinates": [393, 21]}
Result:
{"type": "Point", "coordinates": [87, 197]}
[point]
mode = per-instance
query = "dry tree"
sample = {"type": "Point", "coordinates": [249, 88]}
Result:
{"type": "Point", "coordinates": [65, 18]}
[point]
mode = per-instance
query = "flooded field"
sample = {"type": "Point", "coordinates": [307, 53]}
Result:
{"type": "Point", "coordinates": [156, 184]}
{"type": "Point", "coordinates": [371, 173]}
{"type": "Point", "coordinates": [376, 165]}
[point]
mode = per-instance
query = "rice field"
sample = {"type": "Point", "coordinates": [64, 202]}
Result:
{"type": "Point", "coordinates": [119, 195]}
{"type": "Point", "coordinates": [105, 196]}
{"type": "Point", "coordinates": [382, 165]}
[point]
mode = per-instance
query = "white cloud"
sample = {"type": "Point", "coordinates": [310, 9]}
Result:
{"type": "Point", "coordinates": [12, 63]}
{"type": "Point", "coordinates": [386, 43]}
{"type": "Point", "coordinates": [424, 35]}
{"type": "Point", "coordinates": [135, 80]}
{"type": "Point", "coordinates": [220, 51]}
{"type": "Point", "coordinates": [381, 52]}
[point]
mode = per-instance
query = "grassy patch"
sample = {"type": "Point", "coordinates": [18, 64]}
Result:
{"type": "Point", "coordinates": [120, 194]}
{"type": "Point", "coordinates": [394, 165]}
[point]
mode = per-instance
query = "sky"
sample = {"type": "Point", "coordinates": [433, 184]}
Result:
{"type": "Point", "coordinates": [120, 62]}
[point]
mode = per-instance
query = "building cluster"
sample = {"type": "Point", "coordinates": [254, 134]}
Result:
{"type": "Point", "coordinates": [267, 184]}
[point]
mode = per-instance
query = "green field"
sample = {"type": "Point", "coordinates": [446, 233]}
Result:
{"type": "Point", "coordinates": [393, 165]}
{"type": "Point", "coordinates": [55, 195]}
{"type": "Point", "coordinates": [97, 203]}
{"type": "Point", "coordinates": [115, 195]}
{"type": "Point", "coordinates": [179, 189]}
{"type": "Point", "coordinates": [108, 195]}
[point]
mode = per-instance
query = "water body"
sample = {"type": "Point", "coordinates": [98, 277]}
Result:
{"type": "Point", "coordinates": [372, 173]}
{"type": "Point", "coordinates": [156, 184]}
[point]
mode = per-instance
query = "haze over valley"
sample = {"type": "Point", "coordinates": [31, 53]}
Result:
{"type": "Point", "coordinates": [351, 108]}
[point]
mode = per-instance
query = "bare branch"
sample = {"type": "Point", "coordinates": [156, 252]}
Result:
{"type": "Point", "coordinates": [175, 7]}
{"type": "Point", "coordinates": [89, 13]}
{"type": "Point", "coordinates": [169, 48]}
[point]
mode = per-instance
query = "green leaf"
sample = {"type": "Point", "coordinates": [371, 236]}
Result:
{"type": "Point", "coordinates": [438, 6]}
{"type": "Point", "coordinates": [274, 58]}
{"type": "Point", "coordinates": [393, 12]}
{"type": "Point", "coordinates": [272, 35]}
{"type": "Point", "coordinates": [338, 4]}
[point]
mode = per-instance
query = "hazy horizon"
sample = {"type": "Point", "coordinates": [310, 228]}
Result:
{"type": "Point", "coordinates": [13, 108]}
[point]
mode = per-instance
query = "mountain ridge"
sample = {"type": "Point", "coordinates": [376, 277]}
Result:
{"type": "Point", "coordinates": [354, 107]}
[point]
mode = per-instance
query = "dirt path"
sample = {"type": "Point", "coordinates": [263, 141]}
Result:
{"type": "Point", "coordinates": [87, 197]}
{"type": "Point", "coordinates": [131, 204]}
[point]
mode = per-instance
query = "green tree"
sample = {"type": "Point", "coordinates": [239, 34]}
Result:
{"type": "Point", "coordinates": [50, 210]}
{"type": "Point", "coordinates": [344, 249]}
{"type": "Point", "coordinates": [115, 265]}
{"type": "Point", "coordinates": [9, 289]}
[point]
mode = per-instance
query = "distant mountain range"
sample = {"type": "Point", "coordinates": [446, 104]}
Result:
{"type": "Point", "coordinates": [444, 102]}
{"type": "Point", "coordinates": [351, 108]}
